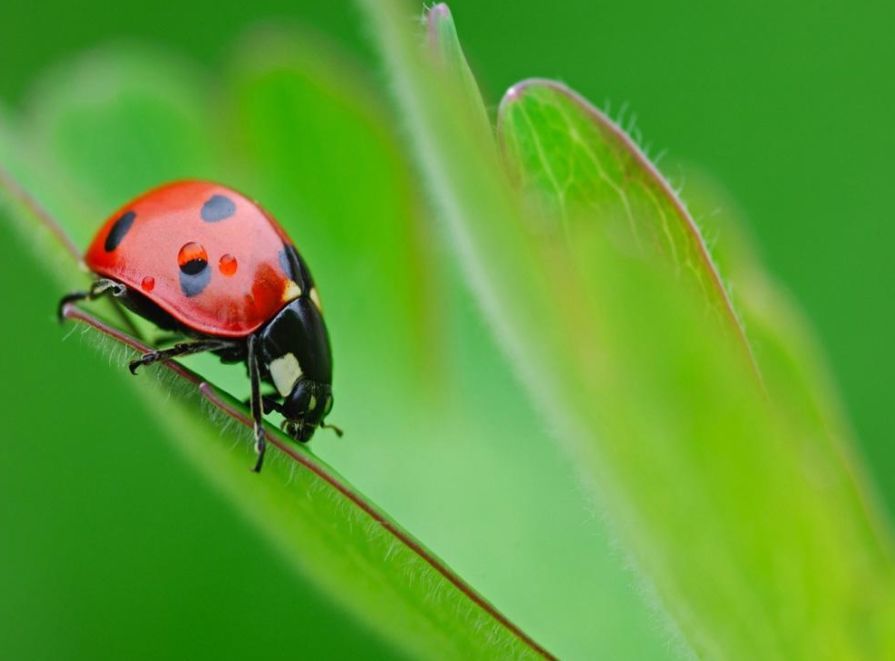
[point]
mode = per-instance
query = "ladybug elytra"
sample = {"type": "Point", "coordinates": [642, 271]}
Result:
{"type": "Point", "coordinates": [206, 262]}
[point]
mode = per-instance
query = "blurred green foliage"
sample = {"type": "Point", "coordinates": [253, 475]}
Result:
{"type": "Point", "coordinates": [786, 106]}
{"type": "Point", "coordinates": [730, 491]}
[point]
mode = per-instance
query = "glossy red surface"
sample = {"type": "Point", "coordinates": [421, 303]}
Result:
{"type": "Point", "coordinates": [212, 256]}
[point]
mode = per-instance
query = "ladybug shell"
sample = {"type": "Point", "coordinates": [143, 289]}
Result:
{"type": "Point", "coordinates": [210, 257]}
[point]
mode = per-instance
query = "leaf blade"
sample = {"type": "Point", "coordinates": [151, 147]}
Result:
{"type": "Point", "coordinates": [592, 170]}
{"type": "Point", "coordinates": [405, 562]}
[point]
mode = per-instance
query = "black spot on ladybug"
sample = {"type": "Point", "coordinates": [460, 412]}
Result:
{"type": "Point", "coordinates": [194, 267]}
{"type": "Point", "coordinates": [294, 267]}
{"type": "Point", "coordinates": [194, 272]}
{"type": "Point", "coordinates": [193, 284]}
{"type": "Point", "coordinates": [119, 229]}
{"type": "Point", "coordinates": [217, 207]}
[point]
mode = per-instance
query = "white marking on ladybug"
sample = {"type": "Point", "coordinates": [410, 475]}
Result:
{"type": "Point", "coordinates": [285, 372]}
{"type": "Point", "coordinates": [291, 291]}
{"type": "Point", "coordinates": [316, 298]}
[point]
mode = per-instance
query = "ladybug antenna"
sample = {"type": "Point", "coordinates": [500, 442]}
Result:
{"type": "Point", "coordinates": [338, 430]}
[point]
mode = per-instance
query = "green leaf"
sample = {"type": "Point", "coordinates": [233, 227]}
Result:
{"type": "Point", "coordinates": [749, 534]}
{"type": "Point", "coordinates": [323, 527]}
{"type": "Point", "coordinates": [330, 532]}
{"type": "Point", "coordinates": [442, 36]}
{"type": "Point", "coordinates": [584, 169]}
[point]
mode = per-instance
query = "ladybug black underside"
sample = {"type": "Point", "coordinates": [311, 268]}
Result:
{"type": "Point", "coordinates": [307, 332]}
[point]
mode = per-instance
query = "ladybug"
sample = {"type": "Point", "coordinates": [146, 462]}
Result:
{"type": "Point", "coordinates": [206, 262]}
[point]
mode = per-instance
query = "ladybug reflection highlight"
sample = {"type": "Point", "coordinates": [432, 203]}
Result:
{"type": "Point", "coordinates": [203, 261]}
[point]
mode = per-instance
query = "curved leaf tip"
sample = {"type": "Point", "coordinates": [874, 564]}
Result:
{"type": "Point", "coordinates": [587, 170]}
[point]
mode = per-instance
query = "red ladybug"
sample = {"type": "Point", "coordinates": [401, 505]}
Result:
{"type": "Point", "coordinates": [203, 260]}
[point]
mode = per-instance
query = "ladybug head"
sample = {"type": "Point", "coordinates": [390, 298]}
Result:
{"type": "Point", "coordinates": [305, 408]}
{"type": "Point", "coordinates": [296, 354]}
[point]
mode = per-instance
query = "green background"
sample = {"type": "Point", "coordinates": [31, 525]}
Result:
{"type": "Point", "coordinates": [787, 105]}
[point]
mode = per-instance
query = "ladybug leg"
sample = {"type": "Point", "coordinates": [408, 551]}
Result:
{"type": "Point", "coordinates": [99, 288]}
{"type": "Point", "coordinates": [168, 338]}
{"type": "Point", "coordinates": [257, 403]}
{"type": "Point", "coordinates": [268, 403]}
{"type": "Point", "coordinates": [183, 349]}
{"type": "Point", "coordinates": [73, 297]}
